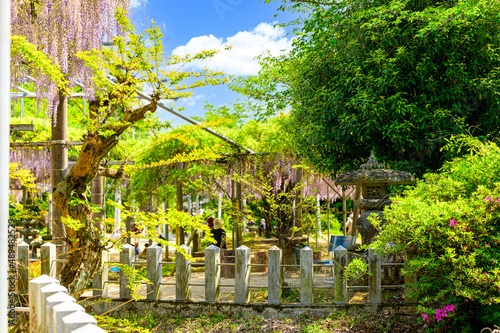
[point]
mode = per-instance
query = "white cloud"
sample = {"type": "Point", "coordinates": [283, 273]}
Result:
{"type": "Point", "coordinates": [246, 45]}
{"type": "Point", "coordinates": [191, 101]}
{"type": "Point", "coordinates": [137, 3]}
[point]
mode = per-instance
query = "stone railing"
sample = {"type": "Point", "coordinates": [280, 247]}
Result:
{"type": "Point", "coordinates": [52, 310]}
{"type": "Point", "coordinates": [213, 265]}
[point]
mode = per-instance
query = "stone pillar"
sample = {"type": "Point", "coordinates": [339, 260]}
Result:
{"type": "Point", "coordinates": [154, 271]}
{"type": "Point", "coordinates": [76, 320]}
{"type": "Point", "coordinates": [23, 264]}
{"type": "Point", "coordinates": [126, 257]}
{"type": "Point", "coordinates": [242, 275]}
{"type": "Point", "coordinates": [45, 292]}
{"type": "Point", "coordinates": [306, 276]}
{"type": "Point", "coordinates": [35, 301]}
{"type": "Point", "coordinates": [99, 285]}
{"type": "Point", "coordinates": [52, 301]}
{"type": "Point", "coordinates": [274, 277]}
{"type": "Point", "coordinates": [375, 277]}
{"type": "Point", "coordinates": [182, 275]}
{"type": "Point", "coordinates": [409, 280]}
{"type": "Point", "coordinates": [212, 273]}
{"type": "Point", "coordinates": [339, 283]}
{"type": "Point", "coordinates": [61, 310]}
{"type": "Point", "coordinates": [48, 256]}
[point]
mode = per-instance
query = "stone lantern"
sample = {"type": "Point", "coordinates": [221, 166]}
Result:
{"type": "Point", "coordinates": [374, 180]}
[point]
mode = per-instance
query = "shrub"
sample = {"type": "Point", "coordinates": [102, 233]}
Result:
{"type": "Point", "coordinates": [448, 227]}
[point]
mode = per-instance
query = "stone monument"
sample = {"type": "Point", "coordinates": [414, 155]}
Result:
{"type": "Point", "coordinates": [374, 180]}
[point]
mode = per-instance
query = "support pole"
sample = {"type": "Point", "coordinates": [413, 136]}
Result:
{"type": "Point", "coordinates": [180, 240]}
{"type": "Point", "coordinates": [328, 210]}
{"type": "Point", "coordinates": [357, 196]}
{"type": "Point", "coordinates": [239, 206]}
{"type": "Point", "coordinates": [196, 232]}
{"type": "Point", "coordinates": [4, 155]}
{"type": "Point", "coordinates": [219, 211]}
{"type": "Point", "coordinates": [59, 171]}
{"type": "Point", "coordinates": [344, 211]}
{"type": "Point", "coordinates": [298, 202]}
{"type": "Point", "coordinates": [167, 229]}
{"type": "Point", "coordinates": [233, 204]}
{"type": "Point", "coordinates": [97, 198]}
{"type": "Point", "coordinates": [117, 212]}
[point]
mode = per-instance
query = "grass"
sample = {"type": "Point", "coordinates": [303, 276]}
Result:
{"type": "Point", "coordinates": [339, 321]}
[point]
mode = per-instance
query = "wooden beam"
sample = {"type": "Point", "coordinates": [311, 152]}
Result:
{"type": "Point", "coordinates": [22, 127]}
{"type": "Point", "coordinates": [45, 143]}
{"type": "Point", "coordinates": [110, 163]}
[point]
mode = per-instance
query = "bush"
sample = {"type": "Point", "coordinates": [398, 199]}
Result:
{"type": "Point", "coordinates": [448, 227]}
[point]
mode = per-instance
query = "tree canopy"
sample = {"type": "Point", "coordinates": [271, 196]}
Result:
{"type": "Point", "coordinates": [397, 77]}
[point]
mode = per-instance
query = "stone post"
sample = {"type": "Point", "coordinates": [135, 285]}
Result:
{"type": "Point", "coordinates": [76, 320]}
{"type": "Point", "coordinates": [60, 311]}
{"type": "Point", "coordinates": [182, 274]}
{"type": "Point", "coordinates": [99, 285]}
{"type": "Point", "coordinates": [52, 301]}
{"type": "Point", "coordinates": [23, 264]}
{"type": "Point", "coordinates": [47, 256]}
{"type": "Point", "coordinates": [306, 275]}
{"type": "Point", "coordinates": [89, 328]}
{"type": "Point", "coordinates": [45, 292]}
{"type": "Point", "coordinates": [126, 257]}
{"type": "Point", "coordinates": [274, 277]}
{"type": "Point", "coordinates": [409, 280]}
{"type": "Point", "coordinates": [242, 275]}
{"type": "Point", "coordinates": [154, 271]}
{"type": "Point", "coordinates": [212, 273]}
{"type": "Point", "coordinates": [35, 301]}
{"type": "Point", "coordinates": [340, 284]}
{"type": "Point", "coordinates": [375, 277]}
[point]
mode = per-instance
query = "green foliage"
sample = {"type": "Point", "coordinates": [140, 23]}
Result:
{"type": "Point", "coordinates": [356, 269]}
{"type": "Point", "coordinates": [449, 227]}
{"type": "Point", "coordinates": [393, 76]}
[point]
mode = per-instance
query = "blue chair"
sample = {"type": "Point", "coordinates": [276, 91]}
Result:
{"type": "Point", "coordinates": [335, 241]}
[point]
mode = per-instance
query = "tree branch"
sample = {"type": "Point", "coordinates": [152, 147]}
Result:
{"type": "Point", "coordinates": [111, 173]}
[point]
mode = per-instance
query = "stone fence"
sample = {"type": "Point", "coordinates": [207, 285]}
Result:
{"type": "Point", "coordinates": [52, 310]}
{"type": "Point", "coordinates": [213, 265]}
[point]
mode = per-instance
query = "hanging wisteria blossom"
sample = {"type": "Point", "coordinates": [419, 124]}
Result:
{"type": "Point", "coordinates": [61, 28]}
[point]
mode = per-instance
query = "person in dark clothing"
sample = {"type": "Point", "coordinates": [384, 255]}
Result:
{"type": "Point", "coordinates": [219, 234]}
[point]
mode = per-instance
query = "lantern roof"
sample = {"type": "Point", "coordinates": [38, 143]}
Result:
{"type": "Point", "coordinates": [374, 172]}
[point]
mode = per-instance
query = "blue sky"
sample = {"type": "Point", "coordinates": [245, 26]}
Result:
{"type": "Point", "coordinates": [193, 25]}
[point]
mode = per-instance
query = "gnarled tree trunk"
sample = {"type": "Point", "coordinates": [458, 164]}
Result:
{"type": "Point", "coordinates": [85, 244]}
